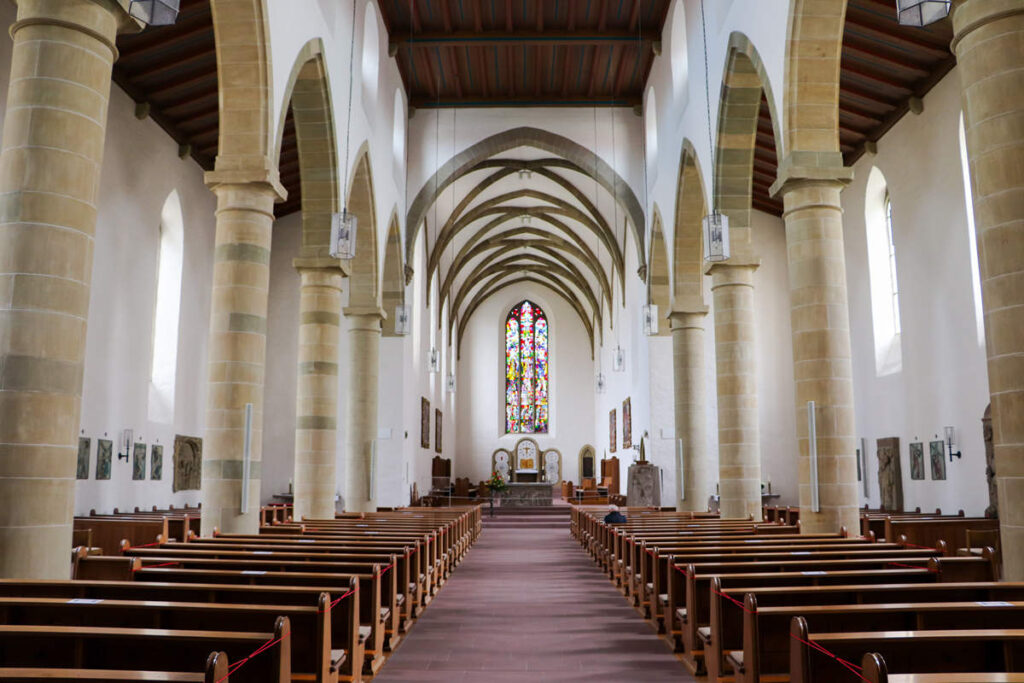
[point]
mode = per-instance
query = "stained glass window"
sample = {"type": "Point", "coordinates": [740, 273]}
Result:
{"type": "Point", "coordinates": [527, 385]}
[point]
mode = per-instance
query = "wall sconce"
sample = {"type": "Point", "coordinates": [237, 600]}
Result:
{"type": "Point", "coordinates": [403, 320]}
{"type": "Point", "coordinates": [651, 320]}
{"type": "Point", "coordinates": [155, 12]}
{"type": "Point", "coordinates": [435, 360]}
{"type": "Point", "coordinates": [127, 437]}
{"type": "Point", "coordinates": [600, 383]}
{"type": "Point", "coordinates": [451, 382]}
{"type": "Point", "coordinates": [951, 443]}
{"type": "Point", "coordinates": [525, 174]}
{"type": "Point", "coordinates": [618, 359]}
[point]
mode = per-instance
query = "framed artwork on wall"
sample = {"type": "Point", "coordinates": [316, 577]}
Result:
{"type": "Point", "coordinates": [938, 453]}
{"type": "Point", "coordinates": [612, 432]}
{"type": "Point", "coordinates": [424, 423]}
{"type": "Point", "coordinates": [156, 462]}
{"type": "Point", "coordinates": [627, 424]}
{"type": "Point", "coordinates": [84, 448]}
{"type": "Point", "coordinates": [917, 460]}
{"type": "Point", "coordinates": [437, 430]}
{"type": "Point", "coordinates": [104, 455]}
{"type": "Point", "coordinates": [139, 462]}
{"type": "Point", "coordinates": [188, 463]}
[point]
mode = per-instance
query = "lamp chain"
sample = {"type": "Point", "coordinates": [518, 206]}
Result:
{"type": "Point", "coordinates": [348, 121]}
{"type": "Point", "coordinates": [707, 102]}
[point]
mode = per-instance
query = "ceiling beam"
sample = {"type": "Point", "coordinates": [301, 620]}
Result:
{"type": "Point", "coordinates": [527, 101]}
{"type": "Point", "coordinates": [486, 38]}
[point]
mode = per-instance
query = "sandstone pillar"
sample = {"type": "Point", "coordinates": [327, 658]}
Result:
{"type": "Point", "coordinates": [364, 370]}
{"type": "Point", "coordinates": [317, 402]}
{"type": "Point", "coordinates": [987, 39]}
{"type": "Point", "coordinates": [237, 349]}
{"type": "Point", "coordinates": [739, 453]}
{"type": "Point", "coordinates": [822, 366]}
{"type": "Point", "coordinates": [694, 482]}
{"type": "Point", "coordinates": [50, 163]}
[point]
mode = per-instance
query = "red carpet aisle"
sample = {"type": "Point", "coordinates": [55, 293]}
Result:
{"type": "Point", "coordinates": [528, 605]}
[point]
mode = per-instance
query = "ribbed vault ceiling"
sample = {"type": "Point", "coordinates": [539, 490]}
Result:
{"type": "Point", "coordinates": [521, 217]}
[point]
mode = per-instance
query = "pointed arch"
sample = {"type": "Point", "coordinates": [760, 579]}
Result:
{"type": "Point", "coordinates": [743, 82]}
{"type": "Point", "coordinates": [814, 48]}
{"type": "Point", "coordinates": [244, 78]}
{"type": "Point", "coordinates": [393, 284]}
{"type": "Point", "coordinates": [308, 96]}
{"type": "Point", "coordinates": [363, 276]}
{"type": "Point", "coordinates": [658, 281]}
{"type": "Point", "coordinates": [525, 136]}
{"type": "Point", "coordinates": [688, 238]}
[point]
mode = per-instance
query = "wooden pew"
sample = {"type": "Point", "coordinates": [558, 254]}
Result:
{"type": "Point", "coordinates": [309, 634]}
{"type": "Point", "coordinates": [726, 630]}
{"type": "Point", "coordinates": [766, 645]}
{"type": "Point", "coordinates": [372, 618]}
{"type": "Point", "coordinates": [108, 532]}
{"type": "Point", "coordinates": [942, 651]}
{"type": "Point", "coordinates": [216, 671]}
{"type": "Point", "coordinates": [875, 670]}
{"type": "Point", "coordinates": [142, 649]}
{"type": "Point", "coordinates": [345, 633]}
{"type": "Point", "coordinates": [928, 531]}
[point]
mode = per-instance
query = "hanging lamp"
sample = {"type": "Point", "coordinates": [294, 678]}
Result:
{"type": "Point", "coordinates": [715, 224]}
{"type": "Point", "coordinates": [344, 224]}
{"type": "Point", "coordinates": [154, 12]}
{"type": "Point", "coordinates": [921, 12]}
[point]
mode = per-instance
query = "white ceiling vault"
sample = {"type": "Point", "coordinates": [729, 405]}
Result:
{"type": "Point", "coordinates": [553, 214]}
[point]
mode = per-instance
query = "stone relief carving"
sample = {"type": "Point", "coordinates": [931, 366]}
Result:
{"type": "Point", "coordinates": [890, 478]}
{"type": "Point", "coordinates": [188, 463]}
{"type": "Point", "coordinates": [643, 488]}
{"type": "Point", "coordinates": [990, 464]}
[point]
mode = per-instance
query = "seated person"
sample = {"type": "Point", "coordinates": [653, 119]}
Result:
{"type": "Point", "coordinates": [614, 516]}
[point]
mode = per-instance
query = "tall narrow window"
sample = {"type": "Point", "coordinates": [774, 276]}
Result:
{"type": "Point", "coordinates": [885, 291]}
{"type": "Point", "coordinates": [526, 370]}
{"type": "Point", "coordinates": [972, 238]}
{"type": "Point", "coordinates": [894, 287]}
{"type": "Point", "coordinates": [166, 311]}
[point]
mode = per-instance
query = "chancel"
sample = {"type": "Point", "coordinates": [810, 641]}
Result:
{"type": "Point", "coordinates": [331, 331]}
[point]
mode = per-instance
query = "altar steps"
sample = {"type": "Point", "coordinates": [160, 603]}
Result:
{"type": "Point", "coordinates": [546, 517]}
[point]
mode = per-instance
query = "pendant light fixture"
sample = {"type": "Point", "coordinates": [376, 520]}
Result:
{"type": "Point", "coordinates": [921, 12]}
{"type": "Point", "coordinates": [344, 224]}
{"type": "Point", "coordinates": [715, 224]}
{"type": "Point", "coordinates": [600, 383]}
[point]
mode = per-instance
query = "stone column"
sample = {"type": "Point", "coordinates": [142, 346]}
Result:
{"type": "Point", "coordinates": [739, 453]}
{"type": "Point", "coordinates": [695, 480]}
{"type": "Point", "coordinates": [987, 39]}
{"type": "Point", "coordinates": [317, 402]}
{"type": "Point", "coordinates": [50, 163]}
{"type": "Point", "coordinates": [237, 348]}
{"type": "Point", "coordinates": [364, 369]}
{"type": "Point", "coordinates": [822, 366]}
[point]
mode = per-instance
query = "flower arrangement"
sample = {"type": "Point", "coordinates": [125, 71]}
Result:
{"type": "Point", "coordinates": [496, 483]}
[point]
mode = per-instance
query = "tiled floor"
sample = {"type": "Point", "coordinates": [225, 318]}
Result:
{"type": "Point", "coordinates": [529, 605]}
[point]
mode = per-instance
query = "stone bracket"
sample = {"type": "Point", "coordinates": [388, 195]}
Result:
{"type": "Point", "coordinates": [322, 263]}
{"type": "Point", "coordinates": [267, 177]}
{"type": "Point", "coordinates": [801, 167]}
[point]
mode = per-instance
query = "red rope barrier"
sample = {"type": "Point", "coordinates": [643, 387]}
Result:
{"type": "Point", "coordinates": [849, 666]}
{"type": "Point", "coordinates": [261, 649]}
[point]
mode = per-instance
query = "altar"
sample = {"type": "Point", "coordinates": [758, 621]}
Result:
{"type": "Point", "coordinates": [526, 495]}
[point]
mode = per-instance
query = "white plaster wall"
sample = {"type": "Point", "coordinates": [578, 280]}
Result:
{"type": "Point", "coordinates": [480, 399]}
{"type": "Point", "coordinates": [281, 383]}
{"type": "Point", "coordinates": [944, 379]}
{"type": "Point", "coordinates": [140, 169]}
{"type": "Point", "coordinates": [776, 399]}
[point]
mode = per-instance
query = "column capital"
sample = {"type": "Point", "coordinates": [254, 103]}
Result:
{"type": "Point", "coordinates": [680, 319]}
{"type": "Point", "coordinates": [267, 177]}
{"type": "Point", "coordinates": [324, 263]}
{"type": "Point", "coordinates": [748, 261]}
{"type": "Point", "coordinates": [365, 311]}
{"type": "Point", "coordinates": [102, 20]}
{"type": "Point", "coordinates": [802, 168]}
{"type": "Point", "coordinates": [970, 15]}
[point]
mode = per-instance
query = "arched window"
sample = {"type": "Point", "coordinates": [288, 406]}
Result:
{"type": "Point", "coordinates": [885, 291]}
{"type": "Point", "coordinates": [371, 59]}
{"type": "Point", "coordinates": [972, 238]}
{"type": "Point", "coordinates": [166, 312]}
{"type": "Point", "coordinates": [526, 370]}
{"type": "Point", "coordinates": [680, 63]}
